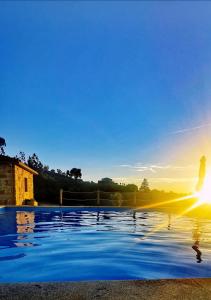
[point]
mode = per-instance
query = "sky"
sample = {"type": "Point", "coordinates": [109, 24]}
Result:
{"type": "Point", "coordinates": [120, 89]}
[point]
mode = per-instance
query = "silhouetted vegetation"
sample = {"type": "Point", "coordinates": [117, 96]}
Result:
{"type": "Point", "coordinates": [49, 182]}
{"type": "Point", "coordinates": [2, 145]}
{"type": "Point", "coordinates": [144, 186]}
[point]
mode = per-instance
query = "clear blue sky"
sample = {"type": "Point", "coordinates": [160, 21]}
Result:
{"type": "Point", "coordinates": [111, 87]}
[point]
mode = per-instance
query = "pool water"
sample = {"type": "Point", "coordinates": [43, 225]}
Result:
{"type": "Point", "coordinates": [65, 244]}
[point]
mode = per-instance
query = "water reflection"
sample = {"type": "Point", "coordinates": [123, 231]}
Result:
{"type": "Point", "coordinates": [196, 239]}
{"type": "Point", "coordinates": [25, 221]}
{"type": "Point", "coordinates": [169, 222]}
{"type": "Point", "coordinates": [155, 227]}
{"type": "Point", "coordinates": [11, 257]}
{"type": "Point", "coordinates": [196, 232]}
{"type": "Point", "coordinates": [98, 217]}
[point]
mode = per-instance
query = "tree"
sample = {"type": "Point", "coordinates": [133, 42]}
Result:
{"type": "Point", "coordinates": [2, 145]}
{"type": "Point", "coordinates": [75, 173]}
{"type": "Point", "coordinates": [59, 171]}
{"type": "Point", "coordinates": [46, 169]}
{"type": "Point", "coordinates": [106, 181]}
{"type": "Point", "coordinates": [108, 185]}
{"type": "Point", "coordinates": [131, 188]}
{"type": "Point", "coordinates": [21, 156]}
{"type": "Point", "coordinates": [144, 186]}
{"type": "Point", "coordinates": [68, 173]}
{"type": "Point", "coordinates": [35, 163]}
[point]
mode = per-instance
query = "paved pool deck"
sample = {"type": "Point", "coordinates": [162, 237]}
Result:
{"type": "Point", "coordinates": [171, 289]}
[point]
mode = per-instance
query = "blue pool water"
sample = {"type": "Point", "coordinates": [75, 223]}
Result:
{"type": "Point", "coordinates": [54, 244]}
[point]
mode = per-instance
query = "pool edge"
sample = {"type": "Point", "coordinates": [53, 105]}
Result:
{"type": "Point", "coordinates": [199, 288]}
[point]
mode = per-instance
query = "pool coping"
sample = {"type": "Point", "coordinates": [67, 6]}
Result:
{"type": "Point", "coordinates": [165, 289]}
{"type": "Point", "coordinates": [68, 206]}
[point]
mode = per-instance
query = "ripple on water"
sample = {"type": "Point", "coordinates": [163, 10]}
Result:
{"type": "Point", "coordinates": [68, 245]}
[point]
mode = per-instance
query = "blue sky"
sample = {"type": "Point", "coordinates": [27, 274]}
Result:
{"type": "Point", "coordinates": [119, 89]}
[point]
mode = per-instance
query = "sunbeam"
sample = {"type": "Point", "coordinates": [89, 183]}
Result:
{"type": "Point", "coordinates": [192, 196]}
{"type": "Point", "coordinates": [165, 224]}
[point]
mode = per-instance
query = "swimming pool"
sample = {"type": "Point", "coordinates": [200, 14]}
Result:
{"type": "Point", "coordinates": [73, 244]}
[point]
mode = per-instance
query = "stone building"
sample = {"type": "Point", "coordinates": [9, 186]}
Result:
{"type": "Point", "coordinates": [16, 182]}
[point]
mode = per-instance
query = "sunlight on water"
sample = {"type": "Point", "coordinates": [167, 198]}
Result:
{"type": "Point", "coordinates": [90, 244]}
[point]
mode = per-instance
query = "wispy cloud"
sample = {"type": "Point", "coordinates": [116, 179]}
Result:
{"type": "Point", "coordinates": [156, 180]}
{"type": "Point", "coordinates": [154, 167]}
{"type": "Point", "coordinates": [172, 179]}
{"type": "Point", "coordinates": [184, 130]}
{"type": "Point", "coordinates": [123, 179]}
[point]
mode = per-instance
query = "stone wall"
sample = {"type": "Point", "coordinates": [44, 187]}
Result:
{"type": "Point", "coordinates": [7, 184]}
{"type": "Point", "coordinates": [21, 194]}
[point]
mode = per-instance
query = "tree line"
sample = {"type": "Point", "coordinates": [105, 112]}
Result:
{"type": "Point", "coordinates": [49, 182]}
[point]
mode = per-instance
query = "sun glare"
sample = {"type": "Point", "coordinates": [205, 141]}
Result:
{"type": "Point", "coordinates": [205, 194]}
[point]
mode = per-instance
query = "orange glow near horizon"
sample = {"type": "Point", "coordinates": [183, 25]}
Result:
{"type": "Point", "coordinates": [167, 202]}
{"type": "Point", "coordinates": [201, 204]}
{"type": "Point", "coordinates": [204, 196]}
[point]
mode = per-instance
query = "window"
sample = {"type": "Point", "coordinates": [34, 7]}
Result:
{"type": "Point", "coordinates": [26, 184]}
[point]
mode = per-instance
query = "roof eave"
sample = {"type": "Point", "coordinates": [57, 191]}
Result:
{"type": "Point", "coordinates": [27, 168]}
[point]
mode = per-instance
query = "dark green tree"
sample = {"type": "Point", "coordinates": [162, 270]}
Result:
{"type": "Point", "coordinates": [108, 185]}
{"type": "Point", "coordinates": [144, 186]}
{"type": "Point", "coordinates": [59, 171]}
{"type": "Point", "coordinates": [75, 173]}
{"type": "Point", "coordinates": [35, 163]}
{"type": "Point", "coordinates": [2, 145]}
{"type": "Point", "coordinates": [21, 156]}
{"type": "Point", "coordinates": [45, 168]}
{"type": "Point", "coordinates": [68, 173]}
{"type": "Point", "coordinates": [106, 181]}
{"type": "Point", "coordinates": [131, 188]}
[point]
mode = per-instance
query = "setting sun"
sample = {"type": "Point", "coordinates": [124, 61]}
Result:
{"type": "Point", "coordinates": [205, 194]}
